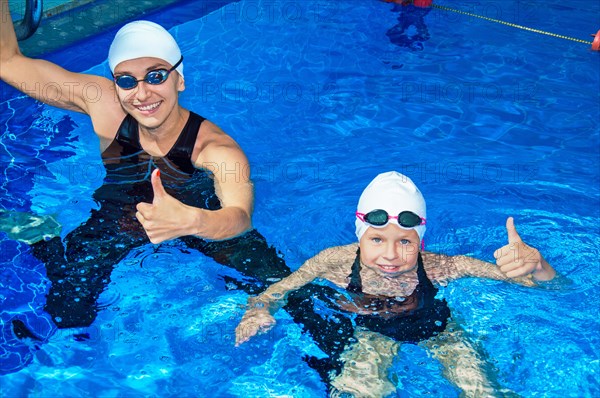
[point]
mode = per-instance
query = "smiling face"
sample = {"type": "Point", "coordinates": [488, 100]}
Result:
{"type": "Point", "coordinates": [151, 105]}
{"type": "Point", "coordinates": [389, 251]}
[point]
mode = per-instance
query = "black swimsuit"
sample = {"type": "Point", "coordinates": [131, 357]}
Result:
{"type": "Point", "coordinates": [127, 163]}
{"type": "Point", "coordinates": [416, 317]}
{"type": "Point", "coordinates": [176, 162]}
{"type": "Point", "coordinates": [419, 317]}
{"type": "Point", "coordinates": [80, 266]}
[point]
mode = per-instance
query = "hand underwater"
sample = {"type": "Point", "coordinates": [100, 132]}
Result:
{"type": "Point", "coordinates": [253, 322]}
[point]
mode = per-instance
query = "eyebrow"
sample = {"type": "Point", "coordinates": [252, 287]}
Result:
{"type": "Point", "coordinates": [159, 65]}
{"type": "Point", "coordinates": [404, 235]}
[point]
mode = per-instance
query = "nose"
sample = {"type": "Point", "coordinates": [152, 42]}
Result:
{"type": "Point", "coordinates": [141, 91]}
{"type": "Point", "coordinates": [391, 251]}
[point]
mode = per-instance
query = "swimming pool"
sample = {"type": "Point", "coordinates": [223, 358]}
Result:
{"type": "Point", "coordinates": [488, 120]}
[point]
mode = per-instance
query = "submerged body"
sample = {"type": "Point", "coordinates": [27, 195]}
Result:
{"type": "Point", "coordinates": [386, 287]}
{"type": "Point", "coordinates": [142, 128]}
{"type": "Point", "coordinates": [412, 318]}
{"type": "Point", "coordinates": [79, 266]}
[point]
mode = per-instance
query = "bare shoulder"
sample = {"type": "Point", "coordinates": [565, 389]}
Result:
{"type": "Point", "coordinates": [335, 263]}
{"type": "Point", "coordinates": [214, 147]}
{"type": "Point", "coordinates": [212, 136]}
{"type": "Point", "coordinates": [104, 109]}
{"type": "Point", "coordinates": [440, 268]}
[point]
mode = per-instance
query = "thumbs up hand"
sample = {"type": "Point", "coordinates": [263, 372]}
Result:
{"type": "Point", "coordinates": [157, 186]}
{"type": "Point", "coordinates": [164, 218]}
{"type": "Point", "coordinates": [513, 235]}
{"type": "Point", "coordinates": [519, 259]}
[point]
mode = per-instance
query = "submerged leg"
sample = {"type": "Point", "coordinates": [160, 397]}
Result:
{"type": "Point", "coordinates": [79, 267]}
{"type": "Point", "coordinates": [463, 364]}
{"type": "Point", "coordinates": [366, 365]}
{"type": "Point", "coordinates": [331, 332]}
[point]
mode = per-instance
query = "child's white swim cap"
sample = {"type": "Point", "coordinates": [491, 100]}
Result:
{"type": "Point", "coordinates": [143, 39]}
{"type": "Point", "coordinates": [394, 193]}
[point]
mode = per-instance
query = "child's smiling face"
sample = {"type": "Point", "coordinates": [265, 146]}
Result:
{"type": "Point", "coordinates": [390, 251]}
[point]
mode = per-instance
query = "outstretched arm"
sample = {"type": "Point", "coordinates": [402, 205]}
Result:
{"type": "Point", "coordinates": [259, 315]}
{"type": "Point", "coordinates": [56, 86]}
{"type": "Point", "coordinates": [515, 262]}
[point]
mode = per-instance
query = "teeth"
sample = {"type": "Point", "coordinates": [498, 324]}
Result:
{"type": "Point", "coordinates": [149, 107]}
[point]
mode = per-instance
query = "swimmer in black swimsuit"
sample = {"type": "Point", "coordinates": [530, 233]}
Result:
{"type": "Point", "coordinates": [202, 195]}
{"type": "Point", "coordinates": [147, 77]}
{"type": "Point", "coordinates": [386, 293]}
{"type": "Point", "coordinates": [79, 266]}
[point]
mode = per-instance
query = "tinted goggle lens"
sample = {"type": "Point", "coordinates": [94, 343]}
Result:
{"type": "Point", "coordinates": [154, 77]}
{"type": "Point", "coordinates": [407, 219]}
{"type": "Point", "coordinates": [377, 217]}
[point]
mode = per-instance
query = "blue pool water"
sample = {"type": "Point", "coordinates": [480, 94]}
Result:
{"type": "Point", "coordinates": [487, 119]}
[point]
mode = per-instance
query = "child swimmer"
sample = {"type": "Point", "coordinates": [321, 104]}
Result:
{"type": "Point", "coordinates": [390, 292]}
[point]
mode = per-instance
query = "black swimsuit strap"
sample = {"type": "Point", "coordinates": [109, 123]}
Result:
{"type": "Point", "coordinates": [421, 274]}
{"type": "Point", "coordinates": [127, 142]}
{"type": "Point", "coordinates": [181, 152]}
{"type": "Point", "coordinates": [355, 285]}
{"type": "Point", "coordinates": [128, 132]}
{"type": "Point", "coordinates": [184, 146]}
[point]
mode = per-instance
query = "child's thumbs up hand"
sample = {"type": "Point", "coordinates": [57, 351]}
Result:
{"type": "Point", "coordinates": [516, 258]}
{"type": "Point", "coordinates": [513, 235]}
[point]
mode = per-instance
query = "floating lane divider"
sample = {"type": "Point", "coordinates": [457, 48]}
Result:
{"type": "Point", "coordinates": [595, 44]}
{"type": "Point", "coordinates": [429, 3]}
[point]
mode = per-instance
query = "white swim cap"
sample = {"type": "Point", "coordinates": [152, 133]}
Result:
{"type": "Point", "coordinates": [394, 193]}
{"type": "Point", "coordinates": [143, 39]}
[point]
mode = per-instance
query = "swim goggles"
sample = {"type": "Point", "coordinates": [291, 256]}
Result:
{"type": "Point", "coordinates": [379, 218]}
{"type": "Point", "coordinates": [154, 77]}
